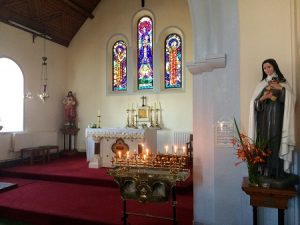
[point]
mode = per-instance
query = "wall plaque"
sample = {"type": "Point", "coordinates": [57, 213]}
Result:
{"type": "Point", "coordinates": [224, 132]}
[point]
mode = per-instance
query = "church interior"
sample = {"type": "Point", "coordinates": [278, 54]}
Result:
{"type": "Point", "coordinates": [105, 83]}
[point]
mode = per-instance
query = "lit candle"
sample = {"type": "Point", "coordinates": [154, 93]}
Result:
{"type": "Point", "coordinates": [120, 154]}
{"type": "Point", "coordinates": [127, 154]}
{"type": "Point", "coordinates": [134, 151]}
{"type": "Point", "coordinates": [142, 147]}
{"type": "Point", "coordinates": [166, 147]}
{"type": "Point", "coordinates": [147, 151]}
{"type": "Point", "coordinates": [183, 150]}
{"type": "Point", "coordinates": [175, 149]}
{"type": "Point", "coordinates": [144, 157]}
{"type": "Point", "coordinates": [99, 113]}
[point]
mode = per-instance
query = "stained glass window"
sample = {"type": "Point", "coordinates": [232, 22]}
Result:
{"type": "Point", "coordinates": [145, 56]}
{"type": "Point", "coordinates": [173, 61]}
{"type": "Point", "coordinates": [119, 66]}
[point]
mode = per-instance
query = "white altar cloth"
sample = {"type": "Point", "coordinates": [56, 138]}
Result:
{"type": "Point", "coordinates": [108, 136]}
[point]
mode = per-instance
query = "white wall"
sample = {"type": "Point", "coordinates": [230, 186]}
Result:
{"type": "Point", "coordinates": [265, 32]}
{"type": "Point", "coordinates": [87, 65]}
{"type": "Point", "coordinates": [18, 46]}
{"type": "Point", "coordinates": [268, 29]}
{"type": "Point", "coordinates": [249, 32]}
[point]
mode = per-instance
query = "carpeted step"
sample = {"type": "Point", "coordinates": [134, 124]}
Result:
{"type": "Point", "coordinates": [43, 203]}
{"type": "Point", "coordinates": [73, 169]}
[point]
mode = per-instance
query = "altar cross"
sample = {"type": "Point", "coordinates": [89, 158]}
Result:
{"type": "Point", "coordinates": [143, 100]}
{"type": "Point", "coordinates": [143, 3]}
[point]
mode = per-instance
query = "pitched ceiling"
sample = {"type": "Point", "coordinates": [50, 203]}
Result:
{"type": "Point", "coordinates": [57, 20]}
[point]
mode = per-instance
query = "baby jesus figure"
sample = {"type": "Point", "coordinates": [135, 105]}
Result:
{"type": "Point", "coordinates": [270, 89]}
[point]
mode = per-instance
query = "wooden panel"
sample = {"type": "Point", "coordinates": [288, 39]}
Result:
{"type": "Point", "coordinates": [59, 19]}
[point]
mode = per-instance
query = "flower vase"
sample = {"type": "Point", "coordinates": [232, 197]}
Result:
{"type": "Point", "coordinates": [253, 174]}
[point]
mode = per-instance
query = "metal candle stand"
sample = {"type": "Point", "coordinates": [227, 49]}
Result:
{"type": "Point", "coordinates": [148, 173]}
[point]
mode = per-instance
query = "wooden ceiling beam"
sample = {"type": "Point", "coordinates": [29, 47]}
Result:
{"type": "Point", "coordinates": [78, 9]}
{"type": "Point", "coordinates": [59, 19]}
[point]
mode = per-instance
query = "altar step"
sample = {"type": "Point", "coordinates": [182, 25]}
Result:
{"type": "Point", "coordinates": [73, 169]}
{"type": "Point", "coordinates": [38, 202]}
{"type": "Point", "coordinates": [65, 191]}
{"type": "Point", "coordinates": [67, 169]}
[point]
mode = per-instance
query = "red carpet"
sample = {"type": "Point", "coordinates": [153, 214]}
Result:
{"type": "Point", "coordinates": [42, 201]}
{"type": "Point", "coordinates": [72, 169]}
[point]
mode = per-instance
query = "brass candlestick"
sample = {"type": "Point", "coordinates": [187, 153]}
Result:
{"type": "Point", "coordinates": [136, 121]}
{"type": "Point", "coordinates": [98, 121]}
{"type": "Point", "coordinates": [157, 125]}
{"type": "Point", "coordinates": [132, 118]}
{"type": "Point", "coordinates": [128, 121]}
{"type": "Point", "coordinates": [151, 119]}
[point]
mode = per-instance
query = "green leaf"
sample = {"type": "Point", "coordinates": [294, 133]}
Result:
{"type": "Point", "coordinates": [237, 128]}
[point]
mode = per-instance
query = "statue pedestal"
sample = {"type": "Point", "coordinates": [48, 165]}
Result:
{"type": "Point", "coordinates": [71, 133]}
{"type": "Point", "coordinates": [268, 197]}
{"type": "Point", "coordinates": [286, 182]}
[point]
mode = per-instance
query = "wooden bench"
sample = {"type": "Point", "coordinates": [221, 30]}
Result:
{"type": "Point", "coordinates": [38, 146]}
{"type": "Point", "coordinates": [35, 154]}
{"type": "Point", "coordinates": [49, 148]}
{"type": "Point", "coordinates": [40, 153]}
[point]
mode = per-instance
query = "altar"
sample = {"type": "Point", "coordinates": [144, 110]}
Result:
{"type": "Point", "coordinates": [106, 137]}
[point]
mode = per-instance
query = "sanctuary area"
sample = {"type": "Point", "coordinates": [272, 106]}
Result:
{"type": "Point", "coordinates": [149, 112]}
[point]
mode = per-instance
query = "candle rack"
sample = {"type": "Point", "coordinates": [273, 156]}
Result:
{"type": "Point", "coordinates": [142, 181]}
{"type": "Point", "coordinates": [173, 162]}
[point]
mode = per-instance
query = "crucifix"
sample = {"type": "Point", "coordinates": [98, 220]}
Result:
{"type": "Point", "coordinates": [143, 100]}
{"type": "Point", "coordinates": [143, 3]}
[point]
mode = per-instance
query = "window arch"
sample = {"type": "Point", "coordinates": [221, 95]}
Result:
{"type": "Point", "coordinates": [145, 53]}
{"type": "Point", "coordinates": [119, 53]}
{"type": "Point", "coordinates": [11, 96]}
{"type": "Point", "coordinates": [173, 61]}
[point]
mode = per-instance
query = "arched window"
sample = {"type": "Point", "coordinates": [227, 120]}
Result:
{"type": "Point", "coordinates": [11, 96]}
{"type": "Point", "coordinates": [173, 61]}
{"type": "Point", "coordinates": [145, 53]}
{"type": "Point", "coordinates": [119, 66]}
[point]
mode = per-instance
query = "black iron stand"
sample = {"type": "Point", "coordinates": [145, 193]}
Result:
{"type": "Point", "coordinates": [173, 218]}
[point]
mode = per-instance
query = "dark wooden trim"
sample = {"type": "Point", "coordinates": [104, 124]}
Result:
{"type": "Point", "coordinates": [78, 9]}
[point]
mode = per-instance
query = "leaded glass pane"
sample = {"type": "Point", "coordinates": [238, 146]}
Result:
{"type": "Point", "coordinates": [173, 61]}
{"type": "Point", "coordinates": [145, 56]}
{"type": "Point", "coordinates": [119, 66]}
